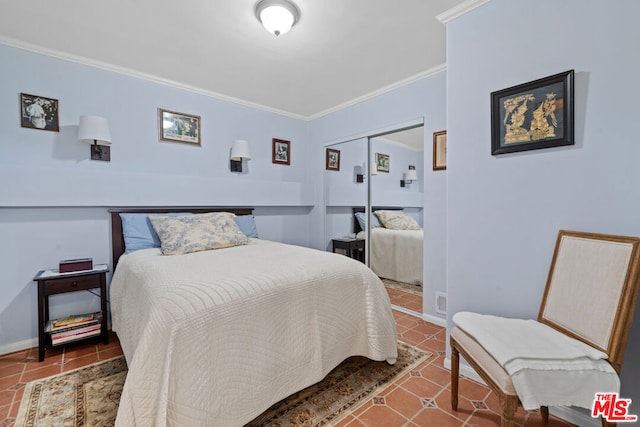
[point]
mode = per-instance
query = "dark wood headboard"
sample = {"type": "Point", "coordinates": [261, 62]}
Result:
{"type": "Point", "coordinates": [356, 224]}
{"type": "Point", "coordinates": [117, 238]}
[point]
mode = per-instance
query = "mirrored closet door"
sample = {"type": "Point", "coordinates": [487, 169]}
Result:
{"type": "Point", "coordinates": [396, 199]}
{"type": "Point", "coordinates": [379, 173]}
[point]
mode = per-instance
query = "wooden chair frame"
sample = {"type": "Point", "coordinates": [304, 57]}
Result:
{"type": "Point", "coordinates": [612, 341]}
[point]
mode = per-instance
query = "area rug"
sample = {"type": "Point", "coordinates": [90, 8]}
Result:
{"type": "Point", "coordinates": [412, 288]}
{"type": "Point", "coordinates": [89, 396]}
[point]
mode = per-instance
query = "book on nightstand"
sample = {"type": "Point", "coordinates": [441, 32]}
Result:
{"type": "Point", "coordinates": [75, 334]}
{"type": "Point", "coordinates": [80, 264]}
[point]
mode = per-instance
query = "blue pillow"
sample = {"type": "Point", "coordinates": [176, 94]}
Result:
{"type": "Point", "coordinates": [247, 224]}
{"type": "Point", "coordinates": [362, 220]}
{"type": "Point", "coordinates": [138, 231]}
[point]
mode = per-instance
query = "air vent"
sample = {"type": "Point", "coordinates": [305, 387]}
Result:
{"type": "Point", "coordinates": [441, 303]}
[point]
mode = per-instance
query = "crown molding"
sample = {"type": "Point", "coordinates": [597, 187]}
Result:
{"type": "Point", "coordinates": [428, 73]}
{"type": "Point", "coordinates": [19, 44]}
{"type": "Point", "coordinates": [459, 10]}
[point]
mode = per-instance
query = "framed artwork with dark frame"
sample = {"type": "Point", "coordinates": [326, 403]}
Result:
{"type": "Point", "coordinates": [533, 115]}
{"type": "Point", "coordinates": [178, 127]}
{"type": "Point", "coordinates": [332, 159]}
{"type": "Point", "coordinates": [281, 151]}
{"type": "Point", "coordinates": [440, 150]}
{"type": "Point", "coordinates": [38, 112]}
{"type": "Point", "coordinates": [382, 162]}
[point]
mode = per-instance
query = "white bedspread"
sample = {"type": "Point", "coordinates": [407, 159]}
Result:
{"type": "Point", "coordinates": [216, 337]}
{"type": "Point", "coordinates": [396, 254]}
{"type": "Point", "coordinates": [547, 368]}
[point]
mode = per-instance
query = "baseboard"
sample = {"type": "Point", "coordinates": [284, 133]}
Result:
{"type": "Point", "coordinates": [436, 320]}
{"type": "Point", "coordinates": [563, 412]}
{"type": "Point", "coordinates": [18, 346]}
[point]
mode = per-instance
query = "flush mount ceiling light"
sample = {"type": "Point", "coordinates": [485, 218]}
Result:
{"type": "Point", "coordinates": [277, 16]}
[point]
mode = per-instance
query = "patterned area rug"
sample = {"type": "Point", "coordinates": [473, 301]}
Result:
{"type": "Point", "coordinates": [89, 396]}
{"type": "Point", "coordinates": [413, 288]}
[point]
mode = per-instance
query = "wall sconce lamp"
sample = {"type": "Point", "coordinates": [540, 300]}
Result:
{"type": "Point", "coordinates": [359, 172]}
{"type": "Point", "coordinates": [95, 131]}
{"type": "Point", "coordinates": [239, 151]}
{"type": "Point", "coordinates": [277, 16]}
{"type": "Point", "coordinates": [409, 176]}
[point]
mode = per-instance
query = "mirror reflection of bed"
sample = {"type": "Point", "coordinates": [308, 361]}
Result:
{"type": "Point", "coordinates": [395, 255]}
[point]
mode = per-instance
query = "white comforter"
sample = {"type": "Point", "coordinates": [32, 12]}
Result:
{"type": "Point", "coordinates": [216, 337]}
{"type": "Point", "coordinates": [396, 254]}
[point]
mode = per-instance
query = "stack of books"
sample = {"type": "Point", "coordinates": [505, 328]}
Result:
{"type": "Point", "coordinates": [74, 327]}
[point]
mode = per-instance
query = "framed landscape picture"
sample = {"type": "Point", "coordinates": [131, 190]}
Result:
{"type": "Point", "coordinates": [178, 127]}
{"type": "Point", "coordinates": [281, 151]}
{"type": "Point", "coordinates": [333, 159]}
{"type": "Point", "coordinates": [382, 162]}
{"type": "Point", "coordinates": [38, 112]}
{"type": "Point", "coordinates": [533, 115]}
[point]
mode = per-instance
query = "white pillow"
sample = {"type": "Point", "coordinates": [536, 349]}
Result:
{"type": "Point", "coordinates": [397, 220]}
{"type": "Point", "coordinates": [193, 233]}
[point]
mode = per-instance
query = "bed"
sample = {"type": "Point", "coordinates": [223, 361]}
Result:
{"type": "Point", "coordinates": [393, 254]}
{"type": "Point", "coordinates": [216, 337]}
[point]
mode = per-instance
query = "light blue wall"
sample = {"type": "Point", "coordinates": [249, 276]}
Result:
{"type": "Point", "coordinates": [423, 99]}
{"type": "Point", "coordinates": [504, 212]}
{"type": "Point", "coordinates": [54, 201]}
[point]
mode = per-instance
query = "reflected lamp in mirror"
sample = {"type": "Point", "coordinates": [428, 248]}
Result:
{"type": "Point", "coordinates": [359, 173]}
{"type": "Point", "coordinates": [409, 176]}
{"type": "Point", "coordinates": [239, 151]}
{"type": "Point", "coordinates": [95, 131]}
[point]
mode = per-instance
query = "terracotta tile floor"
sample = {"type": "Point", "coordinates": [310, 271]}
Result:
{"type": "Point", "coordinates": [405, 299]}
{"type": "Point", "coordinates": [419, 398]}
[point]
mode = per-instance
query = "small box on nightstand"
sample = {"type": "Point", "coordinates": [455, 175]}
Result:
{"type": "Point", "coordinates": [69, 265]}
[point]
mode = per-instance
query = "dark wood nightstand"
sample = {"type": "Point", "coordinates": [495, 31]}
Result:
{"type": "Point", "coordinates": [51, 282]}
{"type": "Point", "coordinates": [353, 248]}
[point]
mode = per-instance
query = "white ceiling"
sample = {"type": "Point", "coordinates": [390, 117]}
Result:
{"type": "Point", "coordinates": [339, 52]}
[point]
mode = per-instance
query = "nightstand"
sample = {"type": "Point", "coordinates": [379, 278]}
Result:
{"type": "Point", "coordinates": [354, 248]}
{"type": "Point", "coordinates": [51, 282]}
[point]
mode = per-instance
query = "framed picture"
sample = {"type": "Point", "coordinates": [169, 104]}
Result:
{"type": "Point", "coordinates": [333, 160]}
{"type": "Point", "coordinates": [281, 151]}
{"type": "Point", "coordinates": [382, 162]}
{"type": "Point", "coordinates": [533, 115]}
{"type": "Point", "coordinates": [38, 112]}
{"type": "Point", "coordinates": [440, 150]}
{"type": "Point", "coordinates": [178, 127]}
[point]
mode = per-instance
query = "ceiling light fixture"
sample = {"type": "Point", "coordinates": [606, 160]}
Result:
{"type": "Point", "coordinates": [277, 16]}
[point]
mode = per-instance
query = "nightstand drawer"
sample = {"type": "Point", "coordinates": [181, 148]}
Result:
{"type": "Point", "coordinates": [71, 284]}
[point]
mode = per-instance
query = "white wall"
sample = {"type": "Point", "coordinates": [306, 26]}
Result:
{"type": "Point", "coordinates": [54, 200]}
{"type": "Point", "coordinates": [504, 212]}
{"type": "Point", "coordinates": [423, 99]}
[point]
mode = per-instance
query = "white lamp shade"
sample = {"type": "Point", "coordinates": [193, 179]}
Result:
{"type": "Point", "coordinates": [411, 175]}
{"type": "Point", "coordinates": [277, 16]}
{"type": "Point", "coordinates": [240, 150]}
{"type": "Point", "coordinates": [94, 129]}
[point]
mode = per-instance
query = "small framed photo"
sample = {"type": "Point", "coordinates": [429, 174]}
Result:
{"type": "Point", "coordinates": [533, 115]}
{"type": "Point", "coordinates": [178, 127]}
{"type": "Point", "coordinates": [38, 112]}
{"type": "Point", "coordinates": [440, 150]}
{"type": "Point", "coordinates": [382, 162]}
{"type": "Point", "coordinates": [333, 160]}
{"type": "Point", "coordinates": [281, 151]}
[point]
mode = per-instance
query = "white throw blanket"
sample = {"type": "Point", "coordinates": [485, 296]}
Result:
{"type": "Point", "coordinates": [547, 367]}
{"type": "Point", "coordinates": [216, 337]}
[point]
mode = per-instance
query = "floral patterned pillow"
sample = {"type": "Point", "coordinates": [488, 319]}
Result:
{"type": "Point", "coordinates": [397, 220]}
{"type": "Point", "coordinates": [193, 233]}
